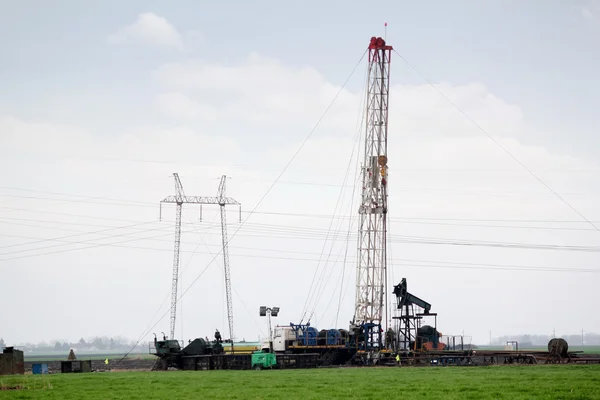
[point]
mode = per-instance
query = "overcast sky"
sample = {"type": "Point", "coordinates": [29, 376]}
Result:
{"type": "Point", "coordinates": [101, 102]}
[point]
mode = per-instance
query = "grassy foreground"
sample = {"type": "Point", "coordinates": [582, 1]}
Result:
{"type": "Point", "coordinates": [498, 382]}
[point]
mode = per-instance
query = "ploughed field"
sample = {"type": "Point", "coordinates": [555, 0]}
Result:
{"type": "Point", "coordinates": [494, 382]}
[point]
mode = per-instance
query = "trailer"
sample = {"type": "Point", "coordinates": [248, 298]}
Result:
{"type": "Point", "coordinates": [201, 354]}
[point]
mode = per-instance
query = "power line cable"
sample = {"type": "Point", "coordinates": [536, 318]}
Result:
{"type": "Point", "coordinates": [80, 234]}
{"type": "Point", "coordinates": [311, 293]}
{"type": "Point", "coordinates": [349, 211]}
{"type": "Point", "coordinates": [558, 196]}
{"type": "Point", "coordinates": [310, 215]}
{"type": "Point", "coordinates": [236, 293]}
{"type": "Point", "coordinates": [68, 242]}
{"type": "Point", "coordinates": [160, 319]}
{"type": "Point", "coordinates": [350, 224]}
{"type": "Point", "coordinates": [138, 203]}
{"type": "Point", "coordinates": [5, 220]}
{"type": "Point", "coordinates": [408, 262]}
{"type": "Point", "coordinates": [70, 200]}
{"type": "Point", "coordinates": [275, 168]}
{"type": "Point", "coordinates": [67, 214]}
{"type": "Point", "coordinates": [292, 232]}
{"type": "Point", "coordinates": [351, 258]}
{"type": "Point", "coordinates": [106, 236]}
{"type": "Point", "coordinates": [431, 221]}
{"type": "Point", "coordinates": [115, 244]}
{"type": "Point", "coordinates": [167, 296]}
{"type": "Point", "coordinates": [70, 195]}
{"type": "Point", "coordinates": [279, 176]}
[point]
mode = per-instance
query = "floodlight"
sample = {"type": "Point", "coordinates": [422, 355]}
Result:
{"type": "Point", "coordinates": [263, 311]}
{"type": "Point", "coordinates": [274, 311]}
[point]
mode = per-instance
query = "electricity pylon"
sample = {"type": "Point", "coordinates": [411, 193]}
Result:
{"type": "Point", "coordinates": [222, 200]}
{"type": "Point", "coordinates": [179, 199]}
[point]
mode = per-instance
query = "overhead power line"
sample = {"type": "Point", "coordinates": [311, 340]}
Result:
{"type": "Point", "coordinates": [530, 171]}
{"type": "Point", "coordinates": [77, 198]}
{"type": "Point", "coordinates": [146, 330]}
{"type": "Point", "coordinates": [278, 232]}
{"type": "Point", "coordinates": [84, 248]}
{"type": "Point", "coordinates": [307, 258]}
{"type": "Point", "coordinates": [99, 232]}
{"type": "Point", "coordinates": [355, 149]}
{"type": "Point", "coordinates": [448, 221]}
{"type": "Point", "coordinates": [67, 214]}
{"type": "Point", "coordinates": [281, 173]}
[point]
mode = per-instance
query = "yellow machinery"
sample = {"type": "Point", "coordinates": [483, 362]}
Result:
{"type": "Point", "coordinates": [242, 348]}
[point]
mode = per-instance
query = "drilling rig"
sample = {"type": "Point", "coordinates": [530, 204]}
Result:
{"type": "Point", "coordinates": [371, 271]}
{"type": "Point", "coordinates": [362, 343]}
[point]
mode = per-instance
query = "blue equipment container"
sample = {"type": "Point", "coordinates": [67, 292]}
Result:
{"type": "Point", "coordinates": [38, 369]}
{"type": "Point", "coordinates": [310, 336]}
{"type": "Point", "coordinates": [305, 334]}
{"type": "Point", "coordinates": [333, 337]}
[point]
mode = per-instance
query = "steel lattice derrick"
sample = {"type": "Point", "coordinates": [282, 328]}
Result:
{"type": "Point", "coordinates": [372, 258]}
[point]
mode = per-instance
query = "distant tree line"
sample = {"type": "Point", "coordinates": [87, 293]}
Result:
{"type": "Point", "coordinates": [589, 339]}
{"type": "Point", "coordinates": [120, 344]}
{"type": "Point", "coordinates": [98, 343]}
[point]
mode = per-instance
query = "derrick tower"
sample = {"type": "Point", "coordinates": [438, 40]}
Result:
{"type": "Point", "coordinates": [371, 272]}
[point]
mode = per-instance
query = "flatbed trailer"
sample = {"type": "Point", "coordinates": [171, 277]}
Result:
{"type": "Point", "coordinates": [494, 357]}
{"type": "Point", "coordinates": [244, 361]}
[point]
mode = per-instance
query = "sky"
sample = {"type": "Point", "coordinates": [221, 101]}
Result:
{"type": "Point", "coordinates": [494, 173]}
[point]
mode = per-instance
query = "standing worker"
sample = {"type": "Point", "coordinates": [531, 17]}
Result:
{"type": "Point", "coordinates": [398, 358]}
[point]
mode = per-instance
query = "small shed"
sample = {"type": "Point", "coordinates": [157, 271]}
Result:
{"type": "Point", "coordinates": [75, 366]}
{"type": "Point", "coordinates": [12, 362]}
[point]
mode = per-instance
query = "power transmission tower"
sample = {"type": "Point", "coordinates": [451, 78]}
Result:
{"type": "Point", "coordinates": [222, 200]}
{"type": "Point", "coordinates": [179, 199]}
{"type": "Point", "coordinates": [371, 273]}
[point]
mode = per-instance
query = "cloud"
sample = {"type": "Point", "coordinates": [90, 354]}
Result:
{"type": "Point", "coordinates": [260, 90]}
{"type": "Point", "coordinates": [149, 29]}
{"type": "Point", "coordinates": [179, 105]}
{"type": "Point", "coordinates": [263, 92]}
{"type": "Point", "coordinates": [247, 120]}
{"type": "Point", "coordinates": [591, 12]}
{"type": "Point", "coordinates": [19, 135]}
{"type": "Point", "coordinates": [272, 107]}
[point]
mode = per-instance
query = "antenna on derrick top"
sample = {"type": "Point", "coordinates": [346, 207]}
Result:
{"type": "Point", "coordinates": [385, 31]}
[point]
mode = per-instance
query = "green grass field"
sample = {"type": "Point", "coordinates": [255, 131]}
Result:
{"type": "Point", "coordinates": [498, 382]}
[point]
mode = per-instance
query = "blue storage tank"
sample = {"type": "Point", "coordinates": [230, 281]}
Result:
{"type": "Point", "coordinates": [310, 336]}
{"type": "Point", "coordinates": [333, 337]}
{"type": "Point", "coordinates": [38, 369]}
